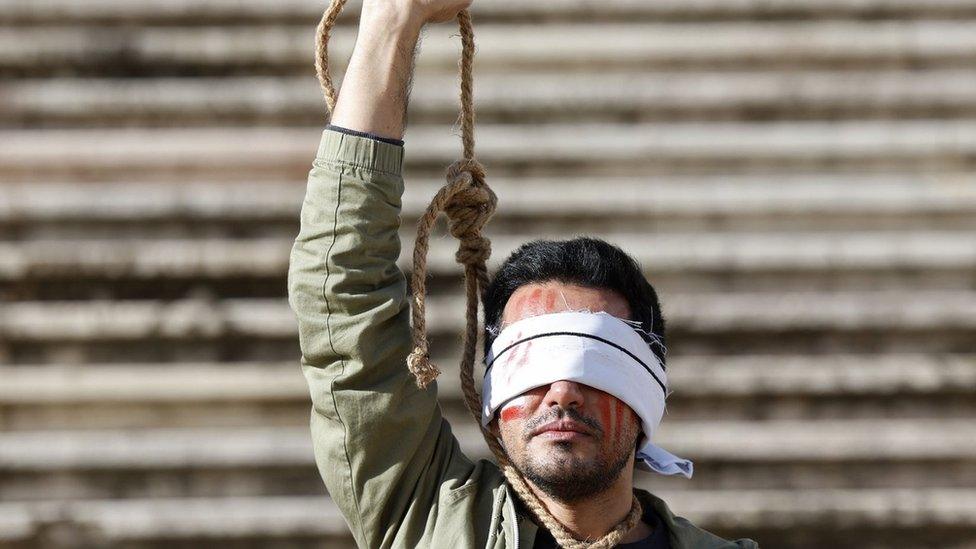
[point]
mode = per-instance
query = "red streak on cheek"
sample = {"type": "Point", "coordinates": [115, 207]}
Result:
{"type": "Point", "coordinates": [512, 412]}
{"type": "Point", "coordinates": [621, 410]}
{"type": "Point", "coordinates": [603, 405]}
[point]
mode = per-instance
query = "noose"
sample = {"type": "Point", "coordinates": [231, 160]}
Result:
{"type": "Point", "coordinates": [468, 203]}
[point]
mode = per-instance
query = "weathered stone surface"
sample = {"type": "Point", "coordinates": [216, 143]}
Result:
{"type": "Point", "coordinates": [794, 175]}
{"type": "Point", "coordinates": [819, 43]}
{"type": "Point", "coordinates": [229, 153]}
{"type": "Point", "coordinates": [551, 94]}
{"type": "Point", "coordinates": [214, 259]}
{"type": "Point", "coordinates": [704, 313]}
{"type": "Point", "coordinates": [224, 10]}
{"type": "Point", "coordinates": [736, 196]}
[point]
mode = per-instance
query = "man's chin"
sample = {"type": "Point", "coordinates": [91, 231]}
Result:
{"type": "Point", "coordinates": [582, 447]}
{"type": "Point", "coordinates": [566, 478]}
{"type": "Point", "coordinates": [559, 457]}
{"type": "Point", "coordinates": [569, 471]}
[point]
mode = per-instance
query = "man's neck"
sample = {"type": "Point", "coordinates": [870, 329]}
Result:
{"type": "Point", "coordinates": [594, 517]}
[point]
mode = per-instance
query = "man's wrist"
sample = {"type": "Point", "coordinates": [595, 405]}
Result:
{"type": "Point", "coordinates": [373, 98]}
{"type": "Point", "coordinates": [391, 19]}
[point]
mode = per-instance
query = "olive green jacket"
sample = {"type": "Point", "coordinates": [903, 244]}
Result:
{"type": "Point", "coordinates": [387, 456]}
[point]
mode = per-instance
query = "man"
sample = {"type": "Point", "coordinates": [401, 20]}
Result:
{"type": "Point", "coordinates": [575, 383]}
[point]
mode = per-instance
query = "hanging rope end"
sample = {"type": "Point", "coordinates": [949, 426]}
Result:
{"type": "Point", "coordinates": [422, 368]}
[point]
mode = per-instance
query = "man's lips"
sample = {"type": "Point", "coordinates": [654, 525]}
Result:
{"type": "Point", "coordinates": [563, 426]}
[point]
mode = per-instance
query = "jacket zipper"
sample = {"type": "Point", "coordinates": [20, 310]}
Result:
{"type": "Point", "coordinates": [515, 516]}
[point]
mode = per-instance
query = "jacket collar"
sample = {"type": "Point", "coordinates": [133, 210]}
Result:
{"type": "Point", "coordinates": [682, 533]}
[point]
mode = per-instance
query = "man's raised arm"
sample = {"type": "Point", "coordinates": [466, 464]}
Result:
{"type": "Point", "coordinates": [376, 84]}
{"type": "Point", "coordinates": [380, 443]}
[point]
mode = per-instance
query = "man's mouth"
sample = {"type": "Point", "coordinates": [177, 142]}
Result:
{"type": "Point", "coordinates": [562, 429]}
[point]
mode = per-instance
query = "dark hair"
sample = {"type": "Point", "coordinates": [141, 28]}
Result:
{"type": "Point", "coordinates": [583, 261]}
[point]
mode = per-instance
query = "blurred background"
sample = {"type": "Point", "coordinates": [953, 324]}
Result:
{"type": "Point", "coordinates": [796, 177]}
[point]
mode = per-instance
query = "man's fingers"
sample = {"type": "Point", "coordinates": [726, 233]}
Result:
{"type": "Point", "coordinates": [448, 11]}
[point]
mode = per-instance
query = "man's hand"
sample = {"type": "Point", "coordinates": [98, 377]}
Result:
{"type": "Point", "coordinates": [439, 11]}
{"type": "Point", "coordinates": [374, 92]}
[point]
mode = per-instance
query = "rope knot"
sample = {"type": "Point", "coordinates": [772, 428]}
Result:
{"type": "Point", "coordinates": [469, 207]}
{"type": "Point", "coordinates": [419, 364]}
{"type": "Point", "coordinates": [474, 250]}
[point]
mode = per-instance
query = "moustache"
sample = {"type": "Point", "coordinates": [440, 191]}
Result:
{"type": "Point", "coordinates": [555, 414]}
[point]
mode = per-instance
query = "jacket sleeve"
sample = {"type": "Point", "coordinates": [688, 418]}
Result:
{"type": "Point", "coordinates": [380, 443]}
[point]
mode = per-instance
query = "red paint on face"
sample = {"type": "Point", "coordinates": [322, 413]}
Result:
{"type": "Point", "coordinates": [604, 406]}
{"type": "Point", "coordinates": [533, 296]}
{"type": "Point", "coordinates": [518, 302]}
{"type": "Point", "coordinates": [512, 412]}
{"type": "Point", "coordinates": [622, 411]}
{"type": "Point", "coordinates": [525, 355]}
{"type": "Point", "coordinates": [613, 415]}
{"type": "Point", "coordinates": [515, 361]}
{"type": "Point", "coordinates": [550, 300]}
{"type": "Point", "coordinates": [553, 296]}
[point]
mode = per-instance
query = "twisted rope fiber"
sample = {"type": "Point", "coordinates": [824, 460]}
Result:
{"type": "Point", "coordinates": [468, 203]}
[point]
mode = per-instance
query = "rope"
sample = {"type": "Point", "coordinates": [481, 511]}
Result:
{"type": "Point", "coordinates": [469, 203]}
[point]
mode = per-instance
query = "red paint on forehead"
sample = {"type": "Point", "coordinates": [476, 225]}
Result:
{"type": "Point", "coordinates": [518, 302]}
{"type": "Point", "coordinates": [550, 300]}
{"type": "Point", "coordinates": [533, 300]}
{"type": "Point", "coordinates": [554, 296]}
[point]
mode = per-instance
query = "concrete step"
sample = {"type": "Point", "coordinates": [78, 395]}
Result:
{"type": "Point", "coordinates": [278, 461]}
{"type": "Point", "coordinates": [259, 329]}
{"type": "Point", "coordinates": [280, 153]}
{"type": "Point", "coordinates": [655, 203]}
{"type": "Point", "coordinates": [793, 519]}
{"type": "Point", "coordinates": [539, 96]}
{"type": "Point", "coordinates": [875, 518]}
{"type": "Point", "coordinates": [287, 49]}
{"type": "Point", "coordinates": [234, 11]}
{"type": "Point", "coordinates": [138, 396]}
{"type": "Point", "coordinates": [676, 262]}
{"type": "Point", "coordinates": [711, 313]}
{"type": "Point", "coordinates": [297, 521]}
{"type": "Point", "coordinates": [132, 396]}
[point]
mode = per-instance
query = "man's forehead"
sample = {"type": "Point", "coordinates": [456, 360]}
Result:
{"type": "Point", "coordinates": [540, 298]}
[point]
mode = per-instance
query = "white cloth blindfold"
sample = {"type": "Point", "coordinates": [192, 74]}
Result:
{"type": "Point", "coordinates": [595, 349]}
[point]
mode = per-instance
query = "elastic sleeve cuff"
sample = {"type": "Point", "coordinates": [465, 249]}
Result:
{"type": "Point", "coordinates": [365, 134]}
{"type": "Point", "coordinates": [359, 151]}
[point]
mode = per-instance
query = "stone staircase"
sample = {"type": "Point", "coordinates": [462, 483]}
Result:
{"type": "Point", "coordinates": [795, 176]}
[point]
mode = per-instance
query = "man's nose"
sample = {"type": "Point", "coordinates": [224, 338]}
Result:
{"type": "Point", "coordinates": [567, 394]}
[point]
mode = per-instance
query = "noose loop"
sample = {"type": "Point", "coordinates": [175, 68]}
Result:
{"type": "Point", "coordinates": [468, 203]}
